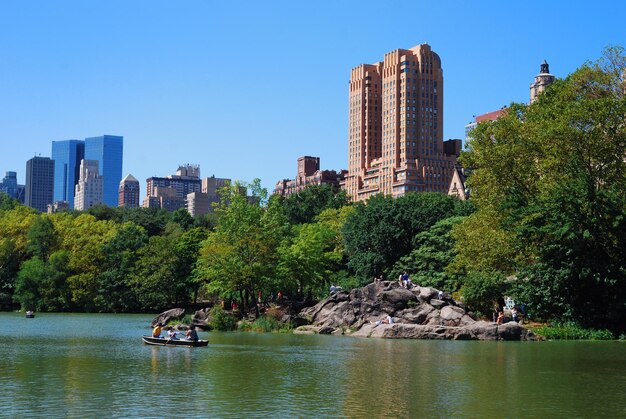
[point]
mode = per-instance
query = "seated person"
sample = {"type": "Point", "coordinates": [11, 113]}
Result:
{"type": "Point", "coordinates": [171, 333]}
{"type": "Point", "coordinates": [386, 320]}
{"type": "Point", "coordinates": [156, 332]}
{"type": "Point", "coordinates": [192, 334]}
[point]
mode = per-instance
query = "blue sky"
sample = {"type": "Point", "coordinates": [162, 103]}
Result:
{"type": "Point", "coordinates": [243, 88]}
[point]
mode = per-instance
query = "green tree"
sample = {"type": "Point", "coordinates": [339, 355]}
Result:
{"type": "Point", "coordinates": [433, 251]}
{"type": "Point", "coordinates": [379, 233]}
{"type": "Point", "coordinates": [120, 256]}
{"type": "Point", "coordinates": [549, 182]}
{"type": "Point", "coordinates": [155, 279]}
{"type": "Point", "coordinates": [7, 203]}
{"type": "Point", "coordinates": [182, 217]}
{"type": "Point", "coordinates": [306, 260]}
{"type": "Point", "coordinates": [305, 205]}
{"type": "Point", "coordinates": [29, 283]}
{"type": "Point", "coordinates": [42, 238]}
{"type": "Point", "coordinates": [84, 238]}
{"type": "Point", "coordinates": [239, 256]}
{"type": "Point", "coordinates": [9, 267]}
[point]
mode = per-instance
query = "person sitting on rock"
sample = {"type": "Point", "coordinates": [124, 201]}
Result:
{"type": "Point", "coordinates": [386, 320]}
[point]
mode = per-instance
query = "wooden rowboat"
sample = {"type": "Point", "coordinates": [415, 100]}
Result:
{"type": "Point", "coordinates": [149, 340]}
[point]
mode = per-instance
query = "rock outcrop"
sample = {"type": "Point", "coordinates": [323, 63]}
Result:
{"type": "Point", "coordinates": [418, 313]}
{"type": "Point", "coordinates": [166, 316]}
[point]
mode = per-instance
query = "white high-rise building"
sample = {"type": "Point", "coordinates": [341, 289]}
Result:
{"type": "Point", "coordinates": [90, 186]}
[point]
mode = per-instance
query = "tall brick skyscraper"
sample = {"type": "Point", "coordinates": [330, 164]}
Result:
{"type": "Point", "coordinates": [395, 141]}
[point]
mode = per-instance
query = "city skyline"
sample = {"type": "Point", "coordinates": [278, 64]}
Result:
{"type": "Point", "coordinates": [244, 90]}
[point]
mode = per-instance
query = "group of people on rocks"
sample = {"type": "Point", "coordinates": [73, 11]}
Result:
{"type": "Point", "coordinates": [172, 334]}
{"type": "Point", "coordinates": [499, 317]}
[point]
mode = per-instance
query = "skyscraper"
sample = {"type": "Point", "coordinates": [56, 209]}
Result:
{"type": "Point", "coordinates": [128, 195]}
{"type": "Point", "coordinates": [108, 150]}
{"type": "Point", "coordinates": [89, 189]}
{"type": "Point", "coordinates": [395, 141]}
{"type": "Point", "coordinates": [39, 183]}
{"type": "Point", "coordinates": [10, 186]}
{"type": "Point", "coordinates": [170, 192]}
{"type": "Point", "coordinates": [67, 156]}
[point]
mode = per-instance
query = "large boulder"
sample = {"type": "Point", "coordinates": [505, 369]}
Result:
{"type": "Point", "coordinates": [418, 313]}
{"type": "Point", "coordinates": [200, 319]}
{"type": "Point", "coordinates": [166, 316]}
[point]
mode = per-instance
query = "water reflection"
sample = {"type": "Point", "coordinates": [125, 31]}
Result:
{"type": "Point", "coordinates": [57, 366]}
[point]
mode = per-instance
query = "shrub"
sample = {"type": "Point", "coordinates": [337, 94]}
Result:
{"type": "Point", "coordinates": [265, 324]}
{"type": "Point", "coordinates": [481, 290]}
{"type": "Point", "coordinates": [572, 331]}
{"type": "Point", "coordinates": [221, 320]}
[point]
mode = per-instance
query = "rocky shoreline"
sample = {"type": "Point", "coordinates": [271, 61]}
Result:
{"type": "Point", "coordinates": [416, 313]}
{"type": "Point", "coordinates": [384, 309]}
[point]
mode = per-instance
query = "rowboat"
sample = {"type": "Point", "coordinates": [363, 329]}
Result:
{"type": "Point", "coordinates": [149, 340]}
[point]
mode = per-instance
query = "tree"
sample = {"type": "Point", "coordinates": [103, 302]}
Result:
{"type": "Point", "coordinates": [120, 255]}
{"type": "Point", "coordinates": [29, 283]}
{"type": "Point", "coordinates": [303, 206]}
{"type": "Point", "coordinates": [433, 250]}
{"type": "Point", "coordinates": [9, 267]}
{"type": "Point", "coordinates": [155, 279]}
{"type": "Point", "coordinates": [239, 256]}
{"type": "Point", "coordinates": [379, 233]}
{"type": "Point", "coordinates": [7, 203]}
{"type": "Point", "coordinates": [549, 182]}
{"type": "Point", "coordinates": [305, 261]}
{"type": "Point", "coordinates": [42, 238]}
{"type": "Point", "coordinates": [84, 238]}
{"type": "Point", "coordinates": [182, 217]}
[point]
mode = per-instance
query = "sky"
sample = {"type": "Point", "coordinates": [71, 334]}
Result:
{"type": "Point", "coordinates": [244, 88]}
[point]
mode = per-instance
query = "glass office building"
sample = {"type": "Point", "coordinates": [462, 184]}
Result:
{"type": "Point", "coordinates": [108, 151]}
{"type": "Point", "coordinates": [10, 186]}
{"type": "Point", "coordinates": [39, 183]}
{"type": "Point", "coordinates": [67, 156]}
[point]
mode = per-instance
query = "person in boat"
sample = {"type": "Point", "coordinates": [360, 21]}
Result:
{"type": "Point", "coordinates": [171, 333]}
{"type": "Point", "coordinates": [156, 332]}
{"type": "Point", "coordinates": [192, 334]}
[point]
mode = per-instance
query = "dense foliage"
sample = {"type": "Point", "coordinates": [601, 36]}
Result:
{"type": "Point", "coordinates": [549, 180]}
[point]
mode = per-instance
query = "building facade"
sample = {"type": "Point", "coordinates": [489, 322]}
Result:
{"type": "Point", "coordinates": [308, 174]}
{"type": "Point", "coordinates": [108, 150]}
{"type": "Point", "coordinates": [395, 139]}
{"type": "Point", "coordinates": [67, 156]}
{"type": "Point", "coordinates": [10, 186]}
{"type": "Point", "coordinates": [90, 187]}
{"type": "Point", "coordinates": [38, 191]}
{"type": "Point", "coordinates": [128, 192]}
{"type": "Point", "coordinates": [489, 116]}
{"type": "Point", "coordinates": [542, 81]}
{"type": "Point", "coordinates": [171, 192]}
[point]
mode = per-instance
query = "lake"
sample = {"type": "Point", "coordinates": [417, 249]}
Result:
{"type": "Point", "coordinates": [95, 365]}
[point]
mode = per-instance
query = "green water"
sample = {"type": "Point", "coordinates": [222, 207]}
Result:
{"type": "Point", "coordinates": [80, 366]}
